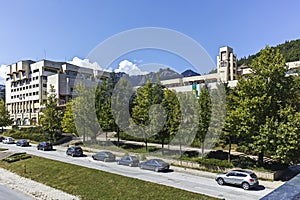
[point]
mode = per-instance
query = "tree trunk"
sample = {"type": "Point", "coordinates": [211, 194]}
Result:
{"type": "Point", "coordinates": [146, 143]}
{"type": "Point", "coordinates": [180, 153]}
{"type": "Point", "coordinates": [261, 158]}
{"type": "Point", "coordinates": [162, 144]}
{"type": "Point", "coordinates": [202, 149]}
{"type": "Point", "coordinates": [229, 149]}
{"type": "Point", "coordinates": [118, 135]}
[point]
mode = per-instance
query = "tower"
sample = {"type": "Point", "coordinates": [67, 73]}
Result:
{"type": "Point", "coordinates": [226, 64]}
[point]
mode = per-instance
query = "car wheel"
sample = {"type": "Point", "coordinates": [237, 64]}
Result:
{"type": "Point", "coordinates": [156, 169]}
{"type": "Point", "coordinates": [245, 186]}
{"type": "Point", "coordinates": [220, 181]}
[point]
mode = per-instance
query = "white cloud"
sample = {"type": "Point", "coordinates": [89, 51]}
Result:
{"type": "Point", "coordinates": [130, 68]}
{"type": "Point", "coordinates": [85, 63]}
{"type": "Point", "coordinates": [3, 70]}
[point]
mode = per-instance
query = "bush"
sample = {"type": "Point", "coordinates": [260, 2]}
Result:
{"type": "Point", "coordinates": [38, 137]}
{"type": "Point", "coordinates": [17, 157]}
{"type": "Point", "coordinates": [214, 163]}
{"type": "Point", "coordinates": [244, 162]}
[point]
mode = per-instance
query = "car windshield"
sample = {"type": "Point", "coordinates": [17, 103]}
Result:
{"type": "Point", "coordinates": [160, 162]}
{"type": "Point", "coordinates": [133, 158]}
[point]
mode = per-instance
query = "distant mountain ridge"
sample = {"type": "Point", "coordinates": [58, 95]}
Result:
{"type": "Point", "coordinates": [139, 80]}
{"type": "Point", "coordinates": [289, 49]}
{"type": "Point", "coordinates": [189, 72]}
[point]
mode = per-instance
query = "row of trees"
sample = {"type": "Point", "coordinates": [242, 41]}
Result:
{"type": "Point", "coordinates": [148, 111]}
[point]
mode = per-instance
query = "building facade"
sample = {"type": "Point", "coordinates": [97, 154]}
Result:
{"type": "Point", "coordinates": [2, 91]}
{"type": "Point", "coordinates": [28, 83]}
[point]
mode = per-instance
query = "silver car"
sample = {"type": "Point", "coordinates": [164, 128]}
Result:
{"type": "Point", "coordinates": [246, 179]}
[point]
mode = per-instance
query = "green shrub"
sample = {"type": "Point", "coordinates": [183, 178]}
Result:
{"type": "Point", "coordinates": [244, 162]}
{"type": "Point", "coordinates": [17, 157]}
{"type": "Point", "coordinates": [214, 163]}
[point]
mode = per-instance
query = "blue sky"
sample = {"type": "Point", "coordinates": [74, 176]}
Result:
{"type": "Point", "coordinates": [63, 29]}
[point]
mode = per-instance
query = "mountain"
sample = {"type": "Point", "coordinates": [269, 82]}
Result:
{"type": "Point", "coordinates": [189, 72]}
{"type": "Point", "coordinates": [139, 80]}
{"type": "Point", "coordinates": [289, 49]}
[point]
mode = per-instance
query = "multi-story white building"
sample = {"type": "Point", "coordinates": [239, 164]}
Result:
{"type": "Point", "coordinates": [226, 73]}
{"type": "Point", "coordinates": [28, 83]}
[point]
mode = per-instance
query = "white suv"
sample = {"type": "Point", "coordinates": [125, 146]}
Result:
{"type": "Point", "coordinates": [246, 179]}
{"type": "Point", "coordinates": [8, 140]}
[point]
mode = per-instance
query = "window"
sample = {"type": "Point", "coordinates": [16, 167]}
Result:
{"type": "Point", "coordinates": [44, 85]}
{"type": "Point", "coordinates": [44, 78]}
{"type": "Point", "coordinates": [36, 70]}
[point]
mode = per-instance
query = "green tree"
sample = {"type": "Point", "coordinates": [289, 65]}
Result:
{"type": "Point", "coordinates": [4, 115]}
{"type": "Point", "coordinates": [204, 116]}
{"type": "Point", "coordinates": [68, 124]}
{"type": "Point", "coordinates": [147, 111]}
{"type": "Point", "coordinates": [189, 119]}
{"type": "Point", "coordinates": [103, 104]}
{"type": "Point", "coordinates": [120, 104]}
{"type": "Point", "coordinates": [85, 112]}
{"type": "Point", "coordinates": [172, 108]}
{"type": "Point", "coordinates": [260, 101]}
{"type": "Point", "coordinates": [52, 116]}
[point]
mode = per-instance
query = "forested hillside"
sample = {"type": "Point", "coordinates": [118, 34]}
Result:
{"type": "Point", "coordinates": [290, 50]}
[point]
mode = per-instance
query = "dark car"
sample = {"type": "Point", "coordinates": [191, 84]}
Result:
{"type": "Point", "coordinates": [22, 143]}
{"type": "Point", "coordinates": [1, 138]}
{"type": "Point", "coordinates": [155, 164]}
{"type": "Point", "coordinates": [129, 160]}
{"type": "Point", "coordinates": [74, 151]}
{"type": "Point", "coordinates": [105, 156]}
{"type": "Point", "coordinates": [44, 146]}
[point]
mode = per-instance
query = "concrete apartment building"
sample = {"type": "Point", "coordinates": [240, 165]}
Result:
{"type": "Point", "coordinates": [28, 83]}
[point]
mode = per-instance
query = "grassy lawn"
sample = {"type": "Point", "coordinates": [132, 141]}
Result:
{"type": "Point", "coordinates": [93, 184]}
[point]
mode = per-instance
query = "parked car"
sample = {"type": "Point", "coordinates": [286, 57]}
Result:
{"type": "Point", "coordinates": [129, 160]}
{"type": "Point", "coordinates": [22, 143]}
{"type": "Point", "coordinates": [1, 138]}
{"type": "Point", "coordinates": [74, 151]}
{"type": "Point", "coordinates": [246, 179]}
{"type": "Point", "coordinates": [155, 164]}
{"type": "Point", "coordinates": [44, 146]}
{"type": "Point", "coordinates": [105, 156]}
{"type": "Point", "coordinates": [8, 140]}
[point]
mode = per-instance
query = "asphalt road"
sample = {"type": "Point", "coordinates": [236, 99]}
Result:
{"type": "Point", "coordinates": [178, 179]}
{"type": "Point", "coordinates": [8, 193]}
